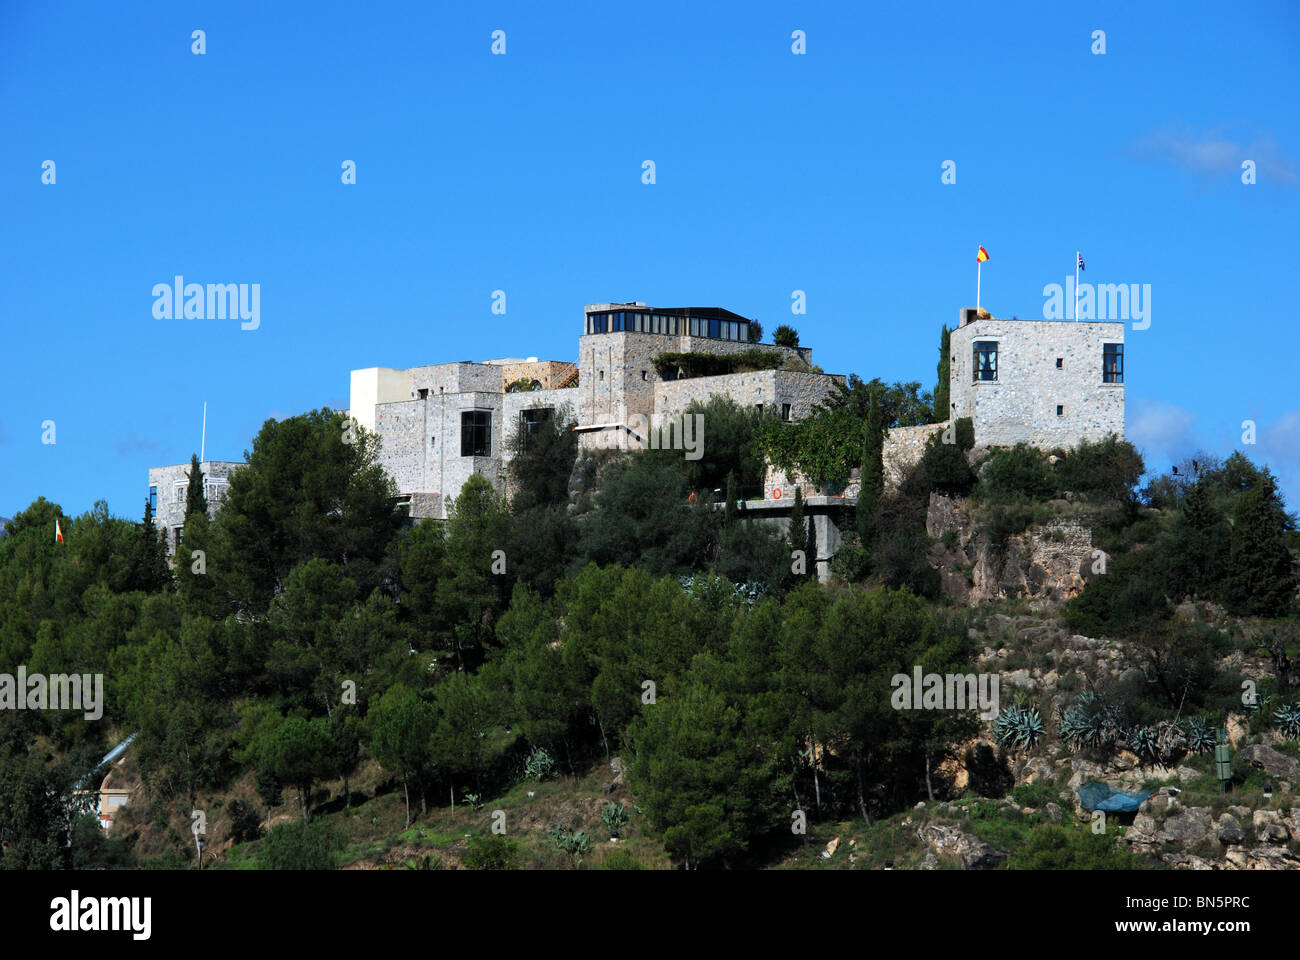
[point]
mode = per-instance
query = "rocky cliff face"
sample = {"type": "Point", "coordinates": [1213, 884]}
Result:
{"type": "Point", "coordinates": [1049, 563]}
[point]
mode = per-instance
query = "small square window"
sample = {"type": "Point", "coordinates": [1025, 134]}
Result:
{"type": "Point", "coordinates": [1060, 363]}
{"type": "Point", "coordinates": [1060, 410]}
{"type": "Point", "coordinates": [602, 374]}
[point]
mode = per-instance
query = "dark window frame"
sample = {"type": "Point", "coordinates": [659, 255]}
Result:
{"type": "Point", "coordinates": [984, 349]}
{"type": "Point", "coordinates": [476, 433]}
{"type": "Point", "coordinates": [1112, 363]}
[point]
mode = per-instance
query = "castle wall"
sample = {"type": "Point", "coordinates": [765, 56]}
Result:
{"type": "Point", "coordinates": [171, 482]}
{"type": "Point", "coordinates": [1021, 404]}
{"type": "Point", "coordinates": [904, 447]}
{"type": "Point", "coordinates": [772, 388]}
{"type": "Point", "coordinates": [420, 446]}
{"type": "Point", "coordinates": [618, 376]}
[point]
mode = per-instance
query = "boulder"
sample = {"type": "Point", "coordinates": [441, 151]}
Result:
{"type": "Point", "coordinates": [973, 852]}
{"type": "Point", "coordinates": [1054, 812]}
{"type": "Point", "coordinates": [1230, 830]}
{"type": "Point", "coordinates": [1270, 827]}
{"type": "Point", "coordinates": [1187, 826]}
{"type": "Point", "coordinates": [1272, 762]}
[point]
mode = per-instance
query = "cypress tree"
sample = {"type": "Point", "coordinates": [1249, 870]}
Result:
{"type": "Point", "coordinates": [798, 527]}
{"type": "Point", "coordinates": [729, 510]}
{"type": "Point", "coordinates": [873, 470]}
{"type": "Point", "coordinates": [151, 555]}
{"type": "Point", "coordinates": [1259, 580]}
{"type": "Point", "coordinates": [941, 398]}
{"type": "Point", "coordinates": [1198, 543]}
{"type": "Point", "coordinates": [194, 498]}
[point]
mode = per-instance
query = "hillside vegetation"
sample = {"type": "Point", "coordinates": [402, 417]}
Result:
{"type": "Point", "coordinates": [600, 655]}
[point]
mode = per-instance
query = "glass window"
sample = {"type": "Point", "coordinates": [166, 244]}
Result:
{"type": "Point", "coordinates": [713, 327]}
{"type": "Point", "coordinates": [693, 326]}
{"type": "Point", "coordinates": [153, 499]}
{"type": "Point", "coordinates": [744, 332]}
{"type": "Point", "coordinates": [1112, 363]}
{"type": "Point", "coordinates": [785, 412]}
{"type": "Point", "coordinates": [476, 433]}
{"type": "Point", "coordinates": [531, 421]}
{"type": "Point", "coordinates": [985, 360]}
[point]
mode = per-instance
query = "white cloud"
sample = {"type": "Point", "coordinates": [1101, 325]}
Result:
{"type": "Point", "coordinates": [1216, 153]}
{"type": "Point", "coordinates": [1163, 429]}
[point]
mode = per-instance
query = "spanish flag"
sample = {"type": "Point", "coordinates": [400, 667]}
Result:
{"type": "Point", "coordinates": [58, 531]}
{"type": "Point", "coordinates": [981, 256]}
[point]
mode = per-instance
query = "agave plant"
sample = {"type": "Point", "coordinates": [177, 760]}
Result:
{"type": "Point", "coordinates": [1201, 737]}
{"type": "Point", "coordinates": [1018, 727]}
{"type": "Point", "coordinates": [1142, 741]}
{"type": "Point", "coordinates": [1089, 724]}
{"type": "Point", "coordinates": [1288, 718]}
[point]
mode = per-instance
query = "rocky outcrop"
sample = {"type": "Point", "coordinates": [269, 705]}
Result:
{"type": "Point", "coordinates": [1272, 762]}
{"type": "Point", "coordinates": [973, 852]}
{"type": "Point", "coordinates": [1050, 563]}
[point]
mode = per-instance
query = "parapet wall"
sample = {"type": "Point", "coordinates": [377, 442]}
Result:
{"type": "Point", "coordinates": [904, 447]}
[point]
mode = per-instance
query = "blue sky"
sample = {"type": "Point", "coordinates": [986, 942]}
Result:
{"type": "Point", "coordinates": [774, 172]}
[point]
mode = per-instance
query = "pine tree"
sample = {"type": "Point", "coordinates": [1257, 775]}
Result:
{"type": "Point", "coordinates": [1259, 580]}
{"type": "Point", "coordinates": [873, 471]}
{"type": "Point", "coordinates": [941, 398]}
{"type": "Point", "coordinates": [798, 527]}
{"type": "Point", "coordinates": [195, 501]}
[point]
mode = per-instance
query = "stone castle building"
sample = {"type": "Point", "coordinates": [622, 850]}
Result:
{"type": "Point", "coordinates": [167, 487]}
{"type": "Point", "coordinates": [439, 424]}
{"type": "Point", "coordinates": [1050, 383]}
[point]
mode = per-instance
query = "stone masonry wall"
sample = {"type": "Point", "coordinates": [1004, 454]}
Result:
{"type": "Point", "coordinates": [1021, 404]}
{"type": "Point", "coordinates": [904, 447]}
{"type": "Point", "coordinates": [772, 388]}
{"type": "Point", "coordinates": [618, 377]}
{"type": "Point", "coordinates": [171, 482]}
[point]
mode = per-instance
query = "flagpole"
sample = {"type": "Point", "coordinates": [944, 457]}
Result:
{"type": "Point", "coordinates": [978, 264]}
{"type": "Point", "coordinates": [1076, 286]}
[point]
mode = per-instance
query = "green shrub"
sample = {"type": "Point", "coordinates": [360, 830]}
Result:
{"type": "Point", "coordinates": [1061, 848]}
{"type": "Point", "coordinates": [945, 466]}
{"type": "Point", "coordinates": [1035, 795]}
{"type": "Point", "coordinates": [1107, 469]}
{"type": "Point", "coordinates": [245, 822]}
{"type": "Point", "coordinates": [673, 366]}
{"type": "Point", "coordinates": [621, 860]}
{"type": "Point", "coordinates": [1020, 473]}
{"type": "Point", "coordinates": [493, 852]}
{"type": "Point", "coordinates": [301, 845]}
